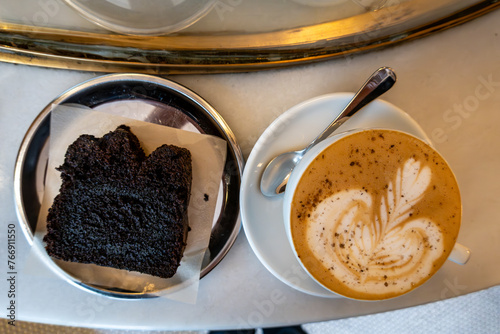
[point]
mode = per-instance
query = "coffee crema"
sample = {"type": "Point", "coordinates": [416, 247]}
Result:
{"type": "Point", "coordinates": [375, 214]}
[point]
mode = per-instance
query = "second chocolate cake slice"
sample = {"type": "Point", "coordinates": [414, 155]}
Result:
{"type": "Point", "coordinates": [118, 208]}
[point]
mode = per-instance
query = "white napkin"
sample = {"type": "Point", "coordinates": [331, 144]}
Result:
{"type": "Point", "coordinates": [477, 312]}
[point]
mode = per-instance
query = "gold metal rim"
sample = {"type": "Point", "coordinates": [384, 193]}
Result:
{"type": "Point", "coordinates": [181, 54]}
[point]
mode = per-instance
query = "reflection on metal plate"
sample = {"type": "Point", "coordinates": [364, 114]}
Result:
{"type": "Point", "coordinates": [162, 102]}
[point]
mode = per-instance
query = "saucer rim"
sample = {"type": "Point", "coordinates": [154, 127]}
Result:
{"type": "Point", "coordinates": [250, 181]}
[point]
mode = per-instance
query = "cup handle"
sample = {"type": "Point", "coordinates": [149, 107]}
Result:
{"type": "Point", "coordinates": [460, 254]}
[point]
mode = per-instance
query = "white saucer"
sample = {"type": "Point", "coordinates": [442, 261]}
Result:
{"type": "Point", "coordinates": [262, 217]}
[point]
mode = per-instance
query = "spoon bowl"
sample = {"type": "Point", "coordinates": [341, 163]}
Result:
{"type": "Point", "coordinates": [281, 168]}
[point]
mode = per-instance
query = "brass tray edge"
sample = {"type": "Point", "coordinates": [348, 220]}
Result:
{"type": "Point", "coordinates": [248, 59]}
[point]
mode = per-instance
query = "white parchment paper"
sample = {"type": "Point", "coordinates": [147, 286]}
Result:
{"type": "Point", "coordinates": [208, 158]}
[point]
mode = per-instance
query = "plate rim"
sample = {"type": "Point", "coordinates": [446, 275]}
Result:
{"type": "Point", "coordinates": [186, 93]}
{"type": "Point", "coordinates": [98, 19]}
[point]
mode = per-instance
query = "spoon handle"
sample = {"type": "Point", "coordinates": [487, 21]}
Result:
{"type": "Point", "coordinates": [376, 85]}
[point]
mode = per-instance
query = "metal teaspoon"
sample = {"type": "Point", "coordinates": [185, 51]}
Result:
{"type": "Point", "coordinates": [277, 172]}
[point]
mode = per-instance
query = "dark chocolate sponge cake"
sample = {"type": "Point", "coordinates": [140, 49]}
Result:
{"type": "Point", "coordinates": [118, 208]}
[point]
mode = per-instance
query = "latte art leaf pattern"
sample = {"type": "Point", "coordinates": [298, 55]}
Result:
{"type": "Point", "coordinates": [374, 243]}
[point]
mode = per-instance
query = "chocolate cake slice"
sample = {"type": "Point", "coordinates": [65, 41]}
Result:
{"type": "Point", "coordinates": [118, 208]}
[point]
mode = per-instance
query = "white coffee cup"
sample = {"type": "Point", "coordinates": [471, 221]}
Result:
{"type": "Point", "coordinates": [459, 254]}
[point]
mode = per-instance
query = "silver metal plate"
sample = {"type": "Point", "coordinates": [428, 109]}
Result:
{"type": "Point", "coordinates": [163, 102]}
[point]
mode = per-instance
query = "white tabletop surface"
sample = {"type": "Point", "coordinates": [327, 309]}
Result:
{"type": "Point", "coordinates": [448, 82]}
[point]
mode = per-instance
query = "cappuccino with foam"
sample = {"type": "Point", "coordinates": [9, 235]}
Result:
{"type": "Point", "coordinates": [375, 214]}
